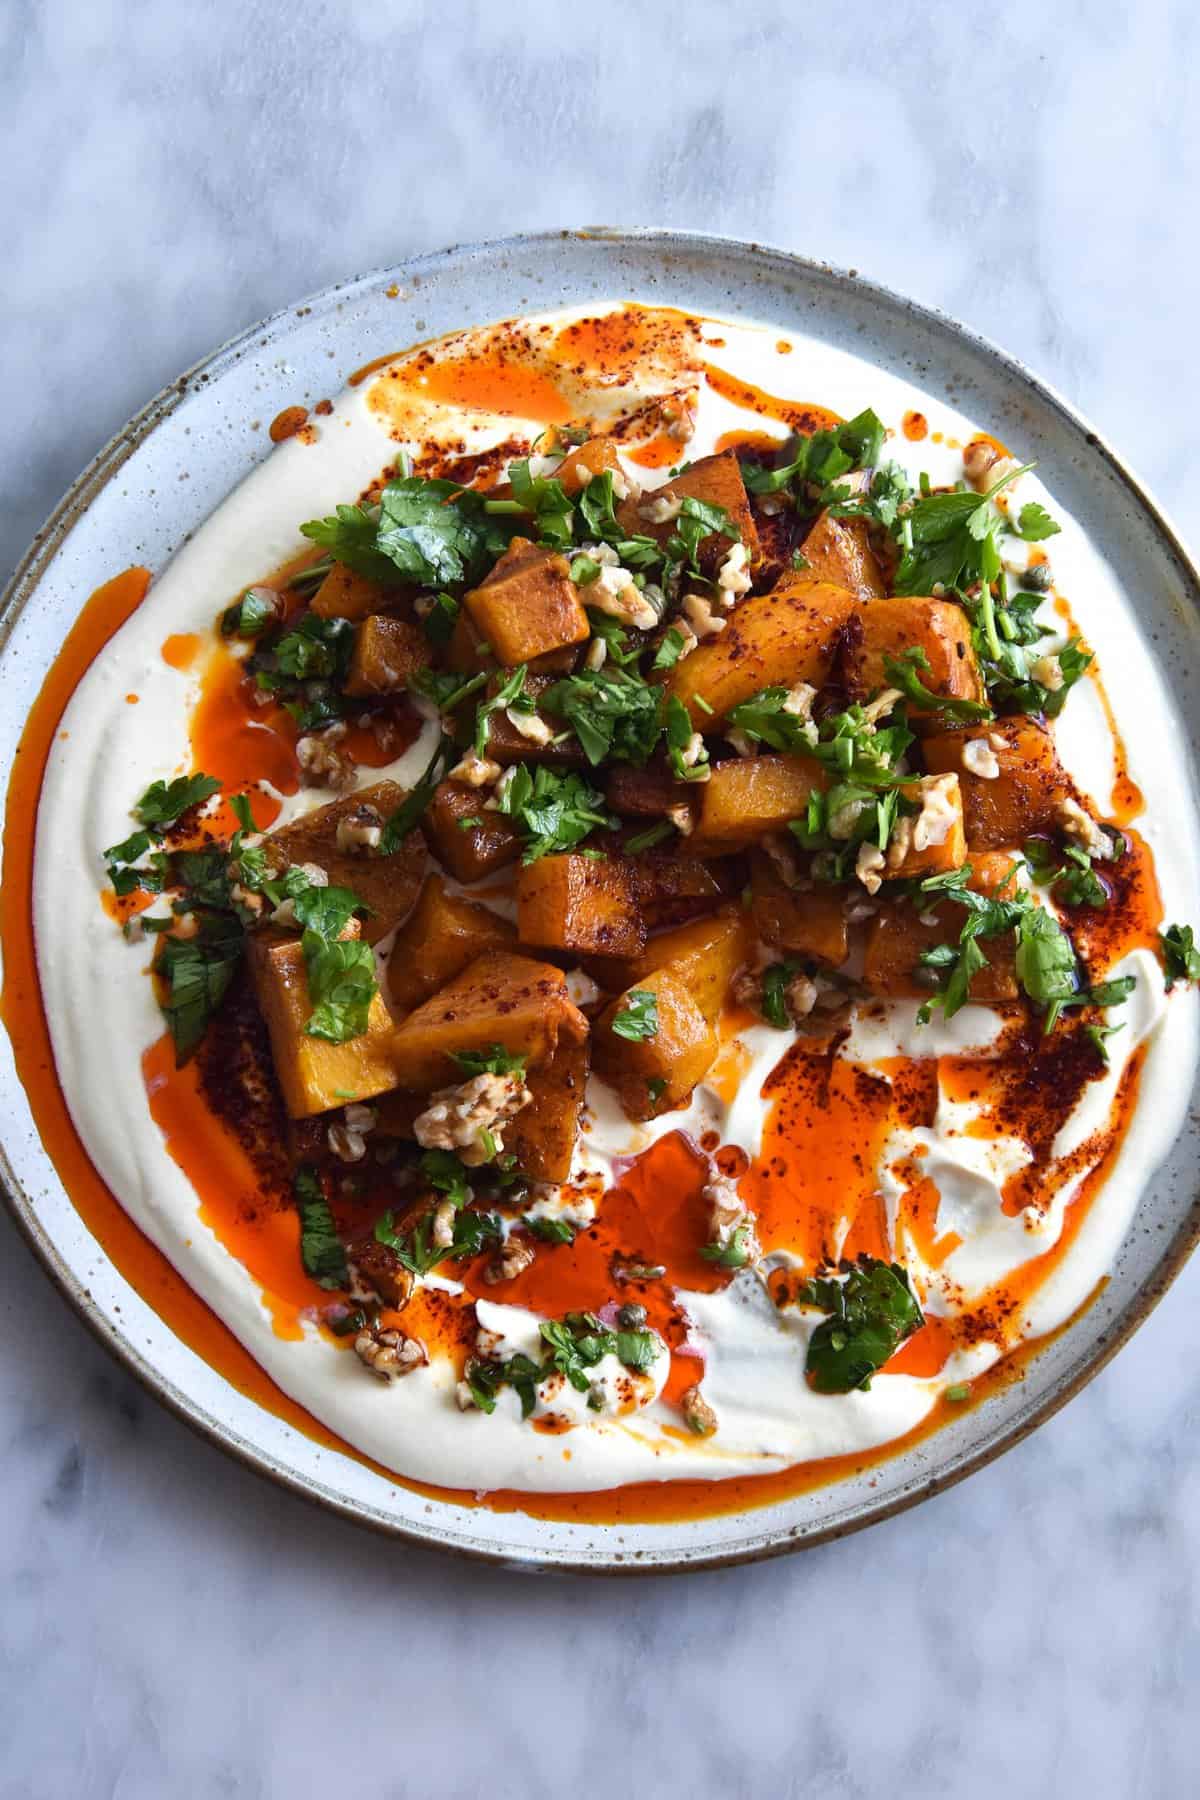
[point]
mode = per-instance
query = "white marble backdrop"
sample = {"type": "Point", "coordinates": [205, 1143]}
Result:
{"type": "Point", "coordinates": [168, 1625]}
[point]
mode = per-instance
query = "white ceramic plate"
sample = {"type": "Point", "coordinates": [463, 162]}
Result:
{"type": "Point", "coordinates": [130, 506]}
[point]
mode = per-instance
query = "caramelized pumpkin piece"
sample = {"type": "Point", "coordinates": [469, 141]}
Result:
{"type": "Point", "coordinates": [507, 743]}
{"type": "Point", "coordinates": [345, 595]}
{"type": "Point", "coordinates": [648, 793]}
{"type": "Point", "coordinates": [314, 1074]}
{"type": "Point", "coordinates": [673, 885]}
{"type": "Point", "coordinates": [585, 461]}
{"type": "Point", "coordinates": [503, 999]}
{"type": "Point", "coordinates": [887, 628]}
{"type": "Point", "coordinates": [542, 1135]}
{"type": "Point", "coordinates": [441, 936]}
{"type": "Point", "coordinates": [705, 955]}
{"type": "Point", "coordinates": [745, 798]}
{"type": "Point", "coordinates": [839, 552]}
{"type": "Point", "coordinates": [717, 480]}
{"type": "Point", "coordinates": [655, 1074]}
{"type": "Point", "coordinates": [579, 903]}
{"type": "Point", "coordinates": [933, 842]}
{"type": "Point", "coordinates": [770, 640]}
{"type": "Point", "coordinates": [809, 922]}
{"type": "Point", "coordinates": [387, 884]}
{"type": "Point", "coordinates": [1018, 802]}
{"type": "Point", "coordinates": [387, 654]}
{"type": "Point", "coordinates": [469, 851]}
{"type": "Point", "coordinates": [898, 935]}
{"type": "Point", "coordinates": [528, 606]}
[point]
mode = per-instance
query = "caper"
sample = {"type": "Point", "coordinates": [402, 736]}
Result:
{"type": "Point", "coordinates": [1037, 577]}
{"type": "Point", "coordinates": [631, 1317]}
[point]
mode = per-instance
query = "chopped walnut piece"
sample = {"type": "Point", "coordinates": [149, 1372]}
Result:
{"type": "Point", "coordinates": [1082, 829]}
{"type": "Point", "coordinates": [516, 1256]}
{"type": "Point", "coordinates": [1047, 670]}
{"type": "Point", "coordinates": [458, 1117]}
{"type": "Point", "coordinates": [530, 724]}
{"type": "Point", "coordinates": [359, 832]}
{"type": "Point", "coordinates": [615, 592]}
{"type": "Point", "coordinates": [389, 1354]}
{"type": "Point", "coordinates": [322, 764]}
{"type": "Point", "coordinates": [869, 865]}
{"type": "Point", "coordinates": [703, 620]}
{"type": "Point", "coordinates": [698, 1415]}
{"type": "Point", "coordinates": [660, 509]}
{"type": "Point", "coordinates": [476, 771]}
{"type": "Point", "coordinates": [733, 576]}
{"type": "Point", "coordinates": [979, 758]}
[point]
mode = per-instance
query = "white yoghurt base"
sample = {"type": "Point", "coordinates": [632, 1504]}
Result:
{"type": "Point", "coordinates": [102, 1013]}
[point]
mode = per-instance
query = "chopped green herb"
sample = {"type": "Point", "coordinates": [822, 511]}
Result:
{"type": "Point", "coordinates": [637, 1016]}
{"type": "Point", "coordinates": [495, 1060]}
{"type": "Point", "coordinates": [321, 1249]}
{"type": "Point", "coordinates": [1181, 958]}
{"type": "Point", "coordinates": [164, 801]}
{"type": "Point", "coordinates": [872, 1310]}
{"type": "Point", "coordinates": [734, 1253]}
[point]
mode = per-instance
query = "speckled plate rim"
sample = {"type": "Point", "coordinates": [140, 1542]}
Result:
{"type": "Point", "coordinates": [671, 261]}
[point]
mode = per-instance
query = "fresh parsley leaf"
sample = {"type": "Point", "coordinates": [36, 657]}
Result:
{"type": "Point", "coordinates": [413, 808]}
{"type": "Point", "coordinates": [679, 738]}
{"type": "Point", "coordinates": [164, 801]}
{"type": "Point", "coordinates": [872, 1310]}
{"type": "Point", "coordinates": [775, 981]}
{"type": "Point", "coordinates": [430, 532]}
{"type": "Point", "coordinates": [615, 715]}
{"type": "Point", "coordinates": [250, 616]}
{"type": "Point", "coordinates": [951, 539]}
{"type": "Point", "coordinates": [341, 986]}
{"type": "Point", "coordinates": [1181, 958]}
{"type": "Point", "coordinates": [546, 499]}
{"type": "Point", "coordinates": [554, 811]}
{"type": "Point", "coordinates": [670, 649]}
{"type": "Point", "coordinates": [439, 621]}
{"type": "Point", "coordinates": [350, 536]}
{"type": "Point", "coordinates": [551, 1231]}
{"type": "Point", "coordinates": [510, 692]}
{"type": "Point", "coordinates": [637, 1016]}
{"type": "Point", "coordinates": [195, 974]}
{"type": "Point", "coordinates": [321, 1249]}
{"type": "Point", "coordinates": [646, 840]}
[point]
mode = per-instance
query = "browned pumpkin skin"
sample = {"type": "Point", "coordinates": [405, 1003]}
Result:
{"type": "Point", "coordinates": [346, 595]}
{"type": "Point", "coordinates": [315, 1075]}
{"type": "Point", "coordinates": [934, 859]}
{"type": "Point", "coordinates": [672, 886]}
{"type": "Point", "coordinates": [542, 1136]}
{"type": "Point", "coordinates": [705, 955]}
{"type": "Point", "coordinates": [387, 654]}
{"type": "Point", "coordinates": [887, 628]}
{"type": "Point", "coordinates": [528, 606]}
{"type": "Point", "coordinates": [440, 937]}
{"type": "Point", "coordinates": [838, 551]}
{"type": "Point", "coordinates": [717, 480]}
{"type": "Point", "coordinates": [896, 938]}
{"type": "Point", "coordinates": [577, 903]}
{"type": "Point", "coordinates": [477, 850]}
{"type": "Point", "coordinates": [506, 744]}
{"type": "Point", "coordinates": [751, 796]}
{"type": "Point", "coordinates": [771, 640]}
{"type": "Point", "coordinates": [501, 998]}
{"type": "Point", "coordinates": [387, 884]}
{"type": "Point", "coordinates": [1019, 802]}
{"type": "Point", "coordinates": [679, 1054]}
{"type": "Point", "coordinates": [811, 923]}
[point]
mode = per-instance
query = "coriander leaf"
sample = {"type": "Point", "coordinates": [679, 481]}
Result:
{"type": "Point", "coordinates": [321, 1249]}
{"type": "Point", "coordinates": [1181, 958]}
{"type": "Point", "coordinates": [1035, 523]}
{"type": "Point", "coordinates": [615, 715]}
{"type": "Point", "coordinates": [903, 672]}
{"type": "Point", "coordinates": [350, 536]}
{"type": "Point", "coordinates": [637, 1016]}
{"type": "Point", "coordinates": [546, 499]}
{"type": "Point", "coordinates": [734, 1253]}
{"type": "Point", "coordinates": [341, 986]}
{"type": "Point", "coordinates": [638, 1349]}
{"type": "Point", "coordinates": [508, 693]}
{"type": "Point", "coordinates": [554, 811]}
{"type": "Point", "coordinates": [164, 801]}
{"type": "Point", "coordinates": [680, 738]}
{"type": "Point", "coordinates": [670, 649]}
{"type": "Point", "coordinates": [250, 616]}
{"type": "Point", "coordinates": [872, 1310]}
{"type": "Point", "coordinates": [194, 974]}
{"type": "Point", "coordinates": [440, 619]}
{"type": "Point", "coordinates": [1045, 961]}
{"type": "Point", "coordinates": [429, 532]}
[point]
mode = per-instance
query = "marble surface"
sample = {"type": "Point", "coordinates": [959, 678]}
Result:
{"type": "Point", "coordinates": [169, 1625]}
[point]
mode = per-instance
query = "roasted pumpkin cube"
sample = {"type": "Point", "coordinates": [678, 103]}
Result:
{"type": "Point", "coordinates": [528, 606]}
{"type": "Point", "coordinates": [648, 793]}
{"type": "Point", "coordinates": [542, 1135]}
{"type": "Point", "coordinates": [745, 798]}
{"type": "Point", "coordinates": [579, 903]}
{"type": "Point", "coordinates": [440, 937]}
{"type": "Point", "coordinates": [655, 1074]}
{"type": "Point", "coordinates": [469, 850]}
{"type": "Point", "coordinates": [717, 480]}
{"type": "Point", "coordinates": [315, 1074]}
{"type": "Point", "coordinates": [932, 841]}
{"type": "Point", "coordinates": [899, 934]}
{"type": "Point", "coordinates": [387, 654]}
{"type": "Point", "coordinates": [500, 998]}
{"type": "Point", "coordinates": [1018, 802]}
{"type": "Point", "coordinates": [705, 955]}
{"type": "Point", "coordinates": [809, 922]}
{"type": "Point", "coordinates": [771, 640]}
{"type": "Point", "coordinates": [839, 551]}
{"type": "Point", "coordinates": [888, 628]}
{"type": "Point", "coordinates": [508, 743]}
{"type": "Point", "coordinates": [346, 595]}
{"type": "Point", "coordinates": [387, 884]}
{"type": "Point", "coordinates": [585, 461]}
{"type": "Point", "coordinates": [467, 652]}
{"type": "Point", "coordinates": [671, 886]}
